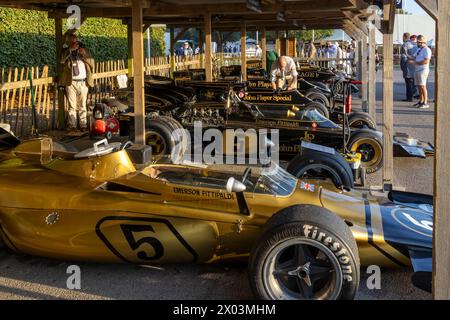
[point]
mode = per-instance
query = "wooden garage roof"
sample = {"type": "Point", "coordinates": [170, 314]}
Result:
{"type": "Point", "coordinates": [226, 13]}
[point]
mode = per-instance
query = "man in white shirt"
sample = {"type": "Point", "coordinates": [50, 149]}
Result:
{"type": "Point", "coordinates": [284, 71]}
{"type": "Point", "coordinates": [423, 57]}
{"type": "Point", "coordinates": [258, 52]}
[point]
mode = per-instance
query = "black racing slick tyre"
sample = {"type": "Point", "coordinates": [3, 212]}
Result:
{"type": "Point", "coordinates": [315, 164]}
{"type": "Point", "coordinates": [319, 107]}
{"type": "Point", "coordinates": [318, 97]}
{"type": "Point", "coordinates": [369, 144]}
{"type": "Point", "coordinates": [166, 136]}
{"type": "Point", "coordinates": [305, 252]}
{"type": "Point", "coordinates": [361, 120]}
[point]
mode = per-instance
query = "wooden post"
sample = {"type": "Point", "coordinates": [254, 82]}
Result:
{"type": "Point", "coordinates": [172, 50]}
{"type": "Point", "coordinates": [61, 97]}
{"type": "Point", "coordinates": [371, 89]}
{"type": "Point", "coordinates": [364, 75]}
{"type": "Point", "coordinates": [277, 42]}
{"type": "Point", "coordinates": [388, 98]}
{"type": "Point", "coordinates": [441, 237]}
{"type": "Point", "coordinates": [138, 72]}
{"type": "Point", "coordinates": [201, 43]}
{"type": "Point", "coordinates": [264, 48]}
{"type": "Point", "coordinates": [220, 47]}
{"type": "Point", "coordinates": [208, 53]}
{"type": "Point", "coordinates": [244, 51]}
{"type": "Point", "coordinates": [130, 50]}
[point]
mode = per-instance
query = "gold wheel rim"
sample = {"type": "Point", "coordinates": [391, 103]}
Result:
{"type": "Point", "coordinates": [156, 141]}
{"type": "Point", "coordinates": [370, 157]}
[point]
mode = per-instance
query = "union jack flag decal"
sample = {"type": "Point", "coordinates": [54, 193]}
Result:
{"type": "Point", "coordinates": [307, 186]}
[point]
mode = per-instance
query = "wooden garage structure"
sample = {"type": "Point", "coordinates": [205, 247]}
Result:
{"type": "Point", "coordinates": [357, 17]}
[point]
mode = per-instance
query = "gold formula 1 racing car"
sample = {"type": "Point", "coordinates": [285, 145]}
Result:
{"type": "Point", "coordinates": [304, 239]}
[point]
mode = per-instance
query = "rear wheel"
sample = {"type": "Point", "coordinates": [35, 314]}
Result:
{"type": "Point", "coordinates": [314, 164]}
{"type": "Point", "coordinates": [318, 97]}
{"type": "Point", "coordinates": [166, 136]}
{"type": "Point", "coordinates": [369, 144]}
{"type": "Point", "coordinates": [319, 108]}
{"type": "Point", "coordinates": [305, 252]}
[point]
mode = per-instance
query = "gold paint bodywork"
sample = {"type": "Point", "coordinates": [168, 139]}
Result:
{"type": "Point", "coordinates": [103, 209]}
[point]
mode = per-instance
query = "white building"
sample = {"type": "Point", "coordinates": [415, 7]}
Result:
{"type": "Point", "coordinates": [412, 23]}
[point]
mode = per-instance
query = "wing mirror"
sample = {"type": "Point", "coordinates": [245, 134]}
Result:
{"type": "Point", "coordinates": [234, 185]}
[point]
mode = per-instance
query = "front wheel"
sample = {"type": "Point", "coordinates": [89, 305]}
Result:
{"type": "Point", "coordinates": [305, 253]}
{"type": "Point", "coordinates": [361, 120]}
{"type": "Point", "coordinates": [370, 146]}
{"type": "Point", "coordinates": [319, 165]}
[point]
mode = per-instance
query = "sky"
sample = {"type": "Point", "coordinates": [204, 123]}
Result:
{"type": "Point", "coordinates": [412, 7]}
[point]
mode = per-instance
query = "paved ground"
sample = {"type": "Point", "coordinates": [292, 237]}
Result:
{"type": "Point", "coordinates": [23, 277]}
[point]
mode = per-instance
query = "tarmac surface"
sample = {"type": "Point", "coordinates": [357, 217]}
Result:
{"type": "Point", "coordinates": [25, 277]}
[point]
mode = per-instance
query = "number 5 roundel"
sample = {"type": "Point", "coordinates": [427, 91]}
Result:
{"type": "Point", "coordinates": [144, 240]}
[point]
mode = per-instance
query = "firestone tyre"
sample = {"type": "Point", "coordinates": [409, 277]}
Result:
{"type": "Point", "coordinates": [305, 252]}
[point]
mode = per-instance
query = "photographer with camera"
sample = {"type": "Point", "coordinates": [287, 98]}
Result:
{"type": "Point", "coordinates": [76, 78]}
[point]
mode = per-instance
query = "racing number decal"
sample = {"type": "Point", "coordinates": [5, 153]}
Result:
{"type": "Point", "coordinates": [129, 230]}
{"type": "Point", "coordinates": [141, 240]}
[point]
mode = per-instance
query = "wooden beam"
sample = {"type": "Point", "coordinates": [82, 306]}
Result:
{"type": "Point", "coordinates": [59, 67]}
{"type": "Point", "coordinates": [181, 33]}
{"type": "Point", "coordinates": [138, 72]}
{"type": "Point", "coordinates": [130, 49]}
{"type": "Point", "coordinates": [441, 237]}
{"type": "Point", "coordinates": [388, 106]}
{"type": "Point", "coordinates": [162, 9]}
{"type": "Point", "coordinates": [220, 47]}
{"type": "Point", "coordinates": [277, 42]}
{"type": "Point", "coordinates": [172, 50]}
{"type": "Point", "coordinates": [244, 51]}
{"type": "Point", "coordinates": [362, 63]}
{"type": "Point", "coordinates": [364, 73]}
{"type": "Point", "coordinates": [201, 44]}
{"type": "Point", "coordinates": [208, 43]}
{"type": "Point", "coordinates": [371, 88]}
{"type": "Point", "coordinates": [430, 7]}
{"type": "Point", "coordinates": [264, 48]}
{"type": "Point", "coordinates": [389, 16]}
{"type": "Point", "coordinates": [147, 24]}
{"type": "Point", "coordinates": [353, 18]}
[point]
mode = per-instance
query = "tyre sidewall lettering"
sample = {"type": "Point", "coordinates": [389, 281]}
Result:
{"type": "Point", "coordinates": [316, 233]}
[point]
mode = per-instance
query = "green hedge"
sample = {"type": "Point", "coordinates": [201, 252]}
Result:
{"type": "Point", "coordinates": [27, 38]}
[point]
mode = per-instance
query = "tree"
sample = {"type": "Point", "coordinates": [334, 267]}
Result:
{"type": "Point", "coordinates": [307, 35]}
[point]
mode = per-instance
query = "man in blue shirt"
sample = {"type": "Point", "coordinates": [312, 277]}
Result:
{"type": "Point", "coordinates": [408, 45]}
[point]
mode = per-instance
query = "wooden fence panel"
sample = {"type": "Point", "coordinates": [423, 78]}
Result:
{"type": "Point", "coordinates": [15, 93]}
